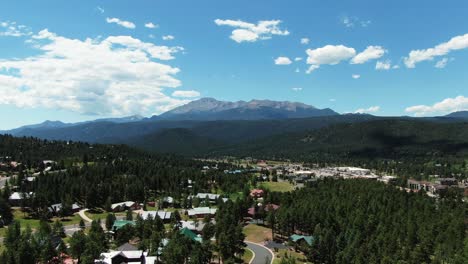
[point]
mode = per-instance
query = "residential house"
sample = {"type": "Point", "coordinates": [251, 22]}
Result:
{"type": "Point", "coordinates": [127, 256]}
{"type": "Point", "coordinates": [201, 212]}
{"type": "Point", "coordinates": [163, 215]}
{"type": "Point", "coordinates": [194, 237]}
{"type": "Point", "coordinates": [55, 208]}
{"type": "Point", "coordinates": [118, 224]}
{"type": "Point", "coordinates": [123, 206]}
{"type": "Point", "coordinates": [300, 239]}
{"type": "Point", "coordinates": [17, 198]}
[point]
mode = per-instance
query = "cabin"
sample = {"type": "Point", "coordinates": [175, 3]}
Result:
{"type": "Point", "coordinates": [17, 198]}
{"type": "Point", "coordinates": [163, 215]}
{"type": "Point", "coordinates": [127, 256]}
{"type": "Point", "coordinates": [300, 239]}
{"type": "Point", "coordinates": [55, 208]}
{"type": "Point", "coordinates": [124, 206]}
{"type": "Point", "coordinates": [201, 212]}
{"type": "Point", "coordinates": [118, 224]}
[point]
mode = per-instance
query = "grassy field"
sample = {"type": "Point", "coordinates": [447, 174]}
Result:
{"type": "Point", "coordinates": [278, 186]}
{"type": "Point", "coordinates": [298, 256]}
{"type": "Point", "coordinates": [248, 255]}
{"type": "Point", "coordinates": [256, 233]}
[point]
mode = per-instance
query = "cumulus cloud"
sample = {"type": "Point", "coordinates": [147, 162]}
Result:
{"type": "Point", "coordinates": [12, 29]}
{"type": "Point", "coordinates": [369, 110]}
{"type": "Point", "coordinates": [328, 54]}
{"type": "Point", "coordinates": [356, 76]}
{"type": "Point", "coordinates": [150, 25]}
{"type": "Point", "coordinates": [383, 65]}
{"type": "Point", "coordinates": [370, 53]}
{"type": "Point", "coordinates": [123, 23]}
{"type": "Point", "coordinates": [305, 41]}
{"type": "Point", "coordinates": [455, 43]}
{"type": "Point", "coordinates": [296, 89]}
{"type": "Point", "coordinates": [117, 75]}
{"type": "Point", "coordinates": [282, 61]}
{"type": "Point", "coordinates": [250, 32]}
{"type": "Point", "coordinates": [187, 94]}
{"type": "Point", "coordinates": [446, 106]}
{"type": "Point", "coordinates": [168, 37]}
{"type": "Point", "coordinates": [297, 59]}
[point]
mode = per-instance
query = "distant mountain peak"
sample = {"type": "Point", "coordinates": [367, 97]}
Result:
{"type": "Point", "coordinates": [212, 109]}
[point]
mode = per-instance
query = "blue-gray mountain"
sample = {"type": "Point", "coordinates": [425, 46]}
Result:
{"type": "Point", "coordinates": [212, 109]}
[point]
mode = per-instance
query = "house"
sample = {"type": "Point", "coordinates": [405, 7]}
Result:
{"type": "Point", "coordinates": [123, 206]}
{"type": "Point", "coordinates": [388, 179]}
{"type": "Point", "coordinates": [170, 202]}
{"type": "Point", "coordinates": [194, 237]}
{"type": "Point", "coordinates": [257, 193]}
{"type": "Point", "coordinates": [194, 226]}
{"type": "Point", "coordinates": [446, 181]}
{"type": "Point", "coordinates": [163, 215]}
{"type": "Point", "coordinates": [201, 212]}
{"type": "Point", "coordinates": [127, 256]}
{"type": "Point", "coordinates": [127, 247]}
{"type": "Point", "coordinates": [212, 197]}
{"type": "Point", "coordinates": [118, 224]}
{"type": "Point", "coordinates": [17, 198]}
{"type": "Point", "coordinates": [55, 208]}
{"type": "Point", "coordinates": [300, 239]}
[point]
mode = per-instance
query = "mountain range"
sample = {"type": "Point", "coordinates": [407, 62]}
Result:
{"type": "Point", "coordinates": [211, 126]}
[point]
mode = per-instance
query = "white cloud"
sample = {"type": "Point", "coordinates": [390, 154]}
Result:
{"type": "Point", "coordinates": [328, 54]}
{"type": "Point", "coordinates": [396, 67]}
{"type": "Point", "coordinates": [305, 41]}
{"type": "Point", "coordinates": [354, 21]}
{"type": "Point", "coordinates": [446, 106]}
{"type": "Point", "coordinates": [12, 29]}
{"type": "Point", "coordinates": [168, 37]}
{"type": "Point", "coordinates": [123, 23]}
{"type": "Point", "coordinates": [312, 68]}
{"type": "Point", "coordinates": [371, 109]}
{"type": "Point", "coordinates": [282, 61]}
{"type": "Point", "coordinates": [332, 100]}
{"type": "Point", "coordinates": [250, 32]}
{"type": "Point", "coordinates": [150, 25]}
{"type": "Point", "coordinates": [455, 43]}
{"type": "Point", "coordinates": [297, 70]}
{"type": "Point", "coordinates": [100, 9]}
{"type": "Point", "coordinates": [117, 75]}
{"type": "Point", "coordinates": [383, 65]}
{"type": "Point", "coordinates": [188, 94]}
{"type": "Point", "coordinates": [370, 53]}
{"type": "Point", "coordinates": [356, 76]}
{"type": "Point", "coordinates": [296, 89]}
{"type": "Point", "coordinates": [297, 59]}
{"type": "Point", "coordinates": [442, 63]}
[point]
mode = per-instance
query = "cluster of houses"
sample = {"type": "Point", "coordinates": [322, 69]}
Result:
{"type": "Point", "coordinates": [440, 185]}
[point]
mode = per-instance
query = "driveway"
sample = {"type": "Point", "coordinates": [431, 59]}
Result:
{"type": "Point", "coordinates": [262, 254]}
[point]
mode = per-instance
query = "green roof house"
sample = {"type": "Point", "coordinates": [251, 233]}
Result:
{"type": "Point", "coordinates": [298, 238]}
{"type": "Point", "coordinates": [188, 233]}
{"type": "Point", "coordinates": [121, 223]}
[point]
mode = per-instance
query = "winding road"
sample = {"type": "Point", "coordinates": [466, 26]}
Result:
{"type": "Point", "coordinates": [261, 253]}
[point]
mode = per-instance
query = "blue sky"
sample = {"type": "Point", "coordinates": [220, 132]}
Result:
{"type": "Point", "coordinates": [81, 60]}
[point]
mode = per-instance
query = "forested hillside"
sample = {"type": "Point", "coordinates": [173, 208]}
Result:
{"type": "Point", "coordinates": [361, 221]}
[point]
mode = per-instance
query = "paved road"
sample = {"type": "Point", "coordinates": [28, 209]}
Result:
{"type": "Point", "coordinates": [83, 216]}
{"type": "Point", "coordinates": [262, 254]}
